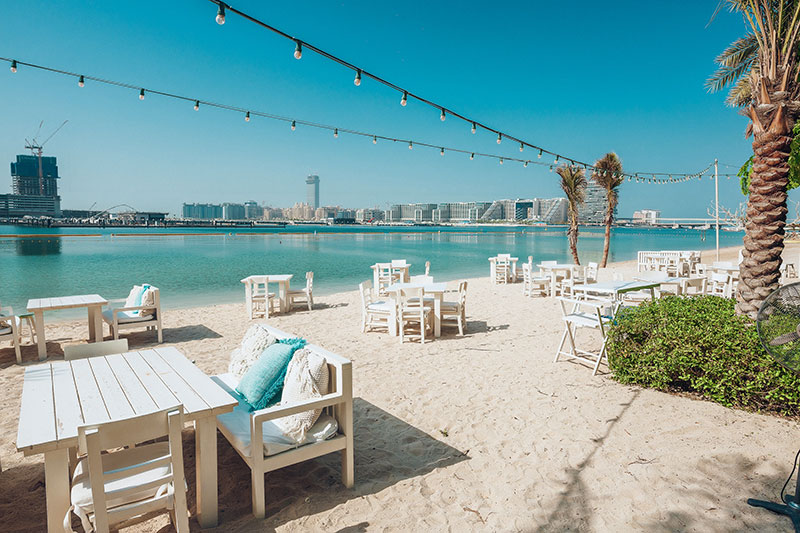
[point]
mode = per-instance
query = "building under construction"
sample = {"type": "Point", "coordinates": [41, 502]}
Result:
{"type": "Point", "coordinates": [34, 190]}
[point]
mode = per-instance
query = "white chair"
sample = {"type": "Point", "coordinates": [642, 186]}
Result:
{"type": "Point", "coordinates": [95, 349]}
{"type": "Point", "coordinates": [502, 268]}
{"type": "Point", "coordinates": [718, 284]}
{"type": "Point", "coordinates": [693, 286]}
{"type": "Point", "coordinates": [384, 276]}
{"type": "Point", "coordinates": [455, 311]}
{"type": "Point", "coordinates": [261, 444]}
{"type": "Point", "coordinates": [304, 293]}
{"type": "Point", "coordinates": [591, 273]}
{"type": "Point", "coordinates": [258, 299]}
{"type": "Point", "coordinates": [10, 326]}
{"type": "Point", "coordinates": [374, 314]}
{"type": "Point", "coordinates": [411, 309]}
{"type": "Point", "coordinates": [135, 317]}
{"type": "Point", "coordinates": [127, 485]}
{"type": "Point", "coordinates": [427, 268]}
{"type": "Point", "coordinates": [534, 283]}
{"type": "Point", "coordinates": [700, 269]}
{"type": "Point", "coordinates": [578, 314]}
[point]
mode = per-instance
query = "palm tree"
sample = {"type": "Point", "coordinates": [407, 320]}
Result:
{"type": "Point", "coordinates": [608, 174]}
{"type": "Point", "coordinates": [573, 182]}
{"type": "Point", "coordinates": [762, 68]}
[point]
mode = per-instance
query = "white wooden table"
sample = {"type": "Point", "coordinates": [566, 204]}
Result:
{"type": "Point", "coordinates": [59, 396]}
{"type": "Point", "coordinates": [434, 289]}
{"type": "Point", "coordinates": [493, 265]}
{"type": "Point", "coordinates": [282, 280]}
{"type": "Point", "coordinates": [93, 302]}
{"type": "Point", "coordinates": [616, 288]}
{"type": "Point", "coordinates": [566, 268]}
{"type": "Point", "coordinates": [662, 279]}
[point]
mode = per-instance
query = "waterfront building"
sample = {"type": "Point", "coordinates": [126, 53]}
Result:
{"type": "Point", "coordinates": [646, 216]}
{"type": "Point", "coordinates": [312, 191]}
{"type": "Point", "coordinates": [299, 211]}
{"type": "Point", "coordinates": [232, 211]}
{"type": "Point", "coordinates": [34, 188]}
{"type": "Point", "coordinates": [548, 210]}
{"type": "Point", "coordinates": [593, 209]}
{"type": "Point", "coordinates": [369, 215]}
{"type": "Point", "coordinates": [202, 211]}
{"type": "Point", "coordinates": [253, 211]}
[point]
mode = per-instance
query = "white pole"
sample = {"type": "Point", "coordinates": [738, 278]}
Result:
{"type": "Point", "coordinates": [716, 202]}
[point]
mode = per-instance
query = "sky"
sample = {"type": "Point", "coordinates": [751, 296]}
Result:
{"type": "Point", "coordinates": [624, 76]}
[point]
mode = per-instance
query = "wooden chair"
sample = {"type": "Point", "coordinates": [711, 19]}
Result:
{"type": "Point", "coordinates": [694, 286]}
{"type": "Point", "coordinates": [133, 317]}
{"type": "Point", "coordinates": [258, 299]}
{"type": "Point", "coordinates": [303, 294]}
{"type": "Point", "coordinates": [129, 485]}
{"type": "Point", "coordinates": [411, 309]}
{"type": "Point", "coordinates": [719, 284]}
{"type": "Point", "coordinates": [579, 314]}
{"type": "Point", "coordinates": [502, 268]}
{"type": "Point", "coordinates": [533, 283]}
{"type": "Point", "coordinates": [245, 430]}
{"type": "Point", "coordinates": [455, 311]}
{"type": "Point", "coordinates": [10, 326]}
{"type": "Point", "coordinates": [374, 314]}
{"type": "Point", "coordinates": [385, 278]}
{"type": "Point", "coordinates": [95, 349]}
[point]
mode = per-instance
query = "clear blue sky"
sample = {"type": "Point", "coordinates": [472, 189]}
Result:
{"type": "Point", "coordinates": [625, 76]}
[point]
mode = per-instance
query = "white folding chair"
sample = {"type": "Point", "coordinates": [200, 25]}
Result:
{"type": "Point", "coordinates": [592, 314]}
{"type": "Point", "coordinates": [303, 294]}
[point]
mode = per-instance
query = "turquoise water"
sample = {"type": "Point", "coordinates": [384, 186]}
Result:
{"type": "Point", "coordinates": [205, 266]}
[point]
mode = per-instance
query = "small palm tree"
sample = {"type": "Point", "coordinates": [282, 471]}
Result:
{"type": "Point", "coordinates": [608, 174]}
{"type": "Point", "coordinates": [762, 69]}
{"type": "Point", "coordinates": [573, 182]}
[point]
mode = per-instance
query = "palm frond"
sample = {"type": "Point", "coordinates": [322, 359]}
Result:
{"type": "Point", "coordinates": [573, 183]}
{"type": "Point", "coordinates": [735, 64]}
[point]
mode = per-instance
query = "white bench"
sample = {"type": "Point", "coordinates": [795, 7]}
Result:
{"type": "Point", "coordinates": [248, 431]}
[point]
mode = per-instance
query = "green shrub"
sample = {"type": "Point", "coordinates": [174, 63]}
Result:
{"type": "Point", "coordinates": [698, 344]}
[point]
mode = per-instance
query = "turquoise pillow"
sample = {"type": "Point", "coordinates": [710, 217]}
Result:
{"type": "Point", "coordinates": [262, 384]}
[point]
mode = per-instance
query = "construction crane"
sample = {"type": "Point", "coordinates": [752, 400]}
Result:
{"type": "Point", "coordinates": [36, 149]}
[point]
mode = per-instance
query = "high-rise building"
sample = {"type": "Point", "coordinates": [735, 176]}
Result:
{"type": "Point", "coordinates": [253, 211]}
{"type": "Point", "coordinates": [34, 189]}
{"type": "Point", "coordinates": [232, 211]}
{"type": "Point", "coordinates": [646, 216]}
{"type": "Point", "coordinates": [593, 209]}
{"type": "Point", "coordinates": [202, 211]}
{"type": "Point", "coordinates": [312, 191]}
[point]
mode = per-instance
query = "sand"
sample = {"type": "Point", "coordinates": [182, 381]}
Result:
{"type": "Point", "coordinates": [475, 433]}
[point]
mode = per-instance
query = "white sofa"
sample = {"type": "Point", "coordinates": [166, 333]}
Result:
{"type": "Point", "coordinates": [248, 430]}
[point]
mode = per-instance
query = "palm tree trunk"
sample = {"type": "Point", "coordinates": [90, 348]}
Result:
{"type": "Point", "coordinates": [607, 238]}
{"type": "Point", "coordinates": [766, 219]}
{"type": "Point", "coordinates": [572, 236]}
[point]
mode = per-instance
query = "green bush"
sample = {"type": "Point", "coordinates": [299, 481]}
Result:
{"type": "Point", "coordinates": [698, 344]}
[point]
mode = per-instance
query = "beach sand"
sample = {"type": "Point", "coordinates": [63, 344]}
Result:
{"type": "Point", "coordinates": [482, 432]}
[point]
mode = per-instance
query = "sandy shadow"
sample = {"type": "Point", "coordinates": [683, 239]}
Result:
{"type": "Point", "coordinates": [147, 338]}
{"type": "Point", "coordinates": [328, 306]}
{"type": "Point", "coordinates": [387, 451]}
{"type": "Point", "coordinates": [481, 326]}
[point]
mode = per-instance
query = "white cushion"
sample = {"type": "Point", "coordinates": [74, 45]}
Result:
{"type": "Point", "coordinates": [380, 306]}
{"type": "Point", "coordinates": [124, 317]}
{"type": "Point", "coordinates": [81, 493]}
{"type": "Point", "coordinates": [148, 298]}
{"type": "Point", "coordinates": [306, 378]}
{"type": "Point", "coordinates": [253, 343]}
{"type": "Point", "coordinates": [237, 422]}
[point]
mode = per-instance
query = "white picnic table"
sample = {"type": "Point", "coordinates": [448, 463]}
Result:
{"type": "Point", "coordinates": [435, 289]}
{"type": "Point", "coordinates": [493, 265]}
{"type": "Point", "coordinates": [59, 396]}
{"type": "Point", "coordinates": [662, 279]}
{"type": "Point", "coordinates": [566, 268]}
{"type": "Point", "coordinates": [282, 280]}
{"type": "Point", "coordinates": [93, 302]}
{"type": "Point", "coordinates": [617, 288]}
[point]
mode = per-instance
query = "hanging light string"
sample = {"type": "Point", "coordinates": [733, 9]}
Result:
{"type": "Point", "coordinates": [657, 177]}
{"type": "Point", "coordinates": [374, 137]}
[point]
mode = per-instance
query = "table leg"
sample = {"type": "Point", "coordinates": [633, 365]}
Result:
{"type": "Point", "coordinates": [38, 320]}
{"type": "Point", "coordinates": [206, 469]}
{"type": "Point", "coordinates": [97, 320]}
{"type": "Point", "coordinates": [553, 278]}
{"type": "Point", "coordinates": [492, 275]}
{"type": "Point", "coordinates": [56, 482]}
{"type": "Point", "coordinates": [90, 313]}
{"type": "Point", "coordinates": [393, 318]}
{"type": "Point", "coordinates": [283, 292]}
{"type": "Point", "coordinates": [248, 299]}
{"type": "Point", "coordinates": [437, 314]}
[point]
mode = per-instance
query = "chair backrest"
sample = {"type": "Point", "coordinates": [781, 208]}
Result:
{"type": "Point", "coordinates": [365, 288]}
{"type": "Point", "coordinates": [698, 284]}
{"type": "Point", "coordinates": [93, 439]}
{"type": "Point", "coordinates": [462, 293]}
{"type": "Point", "coordinates": [504, 258]}
{"type": "Point", "coordinates": [309, 281]}
{"type": "Point", "coordinates": [95, 349]}
{"type": "Point", "coordinates": [526, 273]}
{"type": "Point", "coordinates": [421, 279]}
{"type": "Point", "coordinates": [411, 298]}
{"type": "Point", "coordinates": [384, 277]}
{"type": "Point", "coordinates": [591, 272]}
{"type": "Point", "coordinates": [398, 262]}
{"type": "Point", "coordinates": [719, 277]}
{"type": "Point", "coordinates": [427, 268]}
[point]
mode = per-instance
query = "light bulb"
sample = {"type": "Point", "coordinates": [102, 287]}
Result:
{"type": "Point", "coordinates": [221, 14]}
{"type": "Point", "coordinates": [551, 168]}
{"type": "Point", "coordinates": [298, 50]}
{"type": "Point", "coordinates": [557, 159]}
{"type": "Point", "coordinates": [410, 146]}
{"type": "Point", "coordinates": [521, 147]}
{"type": "Point", "coordinates": [141, 94]}
{"type": "Point", "coordinates": [374, 140]}
{"type": "Point", "coordinates": [294, 125]}
{"type": "Point", "coordinates": [247, 117]}
{"type": "Point", "coordinates": [540, 154]}
{"type": "Point", "coordinates": [471, 157]}
{"type": "Point", "coordinates": [14, 66]}
{"type": "Point", "coordinates": [474, 128]}
{"type": "Point", "coordinates": [501, 160]}
{"type": "Point", "coordinates": [357, 81]}
{"type": "Point", "coordinates": [525, 165]}
{"type": "Point", "coordinates": [404, 99]}
{"type": "Point", "coordinates": [336, 133]}
{"type": "Point", "coordinates": [441, 152]}
{"type": "Point", "coordinates": [499, 138]}
{"type": "Point", "coordinates": [442, 117]}
{"type": "Point", "coordinates": [197, 105]}
{"type": "Point", "coordinates": [81, 82]}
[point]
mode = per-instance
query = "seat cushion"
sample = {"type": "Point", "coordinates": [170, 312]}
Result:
{"type": "Point", "coordinates": [124, 317]}
{"type": "Point", "coordinates": [81, 493]}
{"type": "Point", "coordinates": [237, 424]}
{"type": "Point", "coordinates": [5, 321]}
{"type": "Point", "coordinates": [306, 379]}
{"type": "Point", "coordinates": [380, 307]}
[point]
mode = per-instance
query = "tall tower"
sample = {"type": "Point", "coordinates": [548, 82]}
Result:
{"type": "Point", "coordinates": [312, 191]}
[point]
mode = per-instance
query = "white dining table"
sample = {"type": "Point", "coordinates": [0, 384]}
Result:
{"type": "Point", "coordinates": [617, 288]}
{"type": "Point", "coordinates": [566, 268]}
{"type": "Point", "coordinates": [435, 289]}
{"type": "Point", "coordinates": [493, 265]}
{"type": "Point", "coordinates": [59, 396]}
{"type": "Point", "coordinates": [282, 280]}
{"type": "Point", "coordinates": [92, 302]}
{"type": "Point", "coordinates": [661, 279]}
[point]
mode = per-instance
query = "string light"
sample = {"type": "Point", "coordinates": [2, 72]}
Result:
{"type": "Point", "coordinates": [442, 117]}
{"type": "Point", "coordinates": [357, 81]}
{"type": "Point", "coordinates": [247, 117]}
{"type": "Point", "coordinates": [501, 160]}
{"type": "Point", "coordinates": [294, 125]}
{"type": "Point", "coordinates": [14, 66]}
{"type": "Point", "coordinates": [521, 147]}
{"type": "Point", "coordinates": [404, 99]}
{"type": "Point", "coordinates": [141, 94]}
{"type": "Point", "coordinates": [471, 156]}
{"type": "Point", "coordinates": [298, 50]}
{"type": "Point", "coordinates": [499, 138]}
{"type": "Point", "coordinates": [525, 164]}
{"type": "Point", "coordinates": [474, 128]}
{"type": "Point", "coordinates": [374, 140]}
{"type": "Point", "coordinates": [557, 159]}
{"type": "Point", "coordinates": [540, 154]}
{"type": "Point", "coordinates": [441, 152]}
{"type": "Point", "coordinates": [336, 133]}
{"type": "Point", "coordinates": [410, 145]}
{"type": "Point", "coordinates": [81, 82]}
{"type": "Point", "coordinates": [221, 14]}
{"type": "Point", "coordinates": [197, 105]}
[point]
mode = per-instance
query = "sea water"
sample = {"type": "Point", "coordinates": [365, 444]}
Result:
{"type": "Point", "coordinates": [203, 266]}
